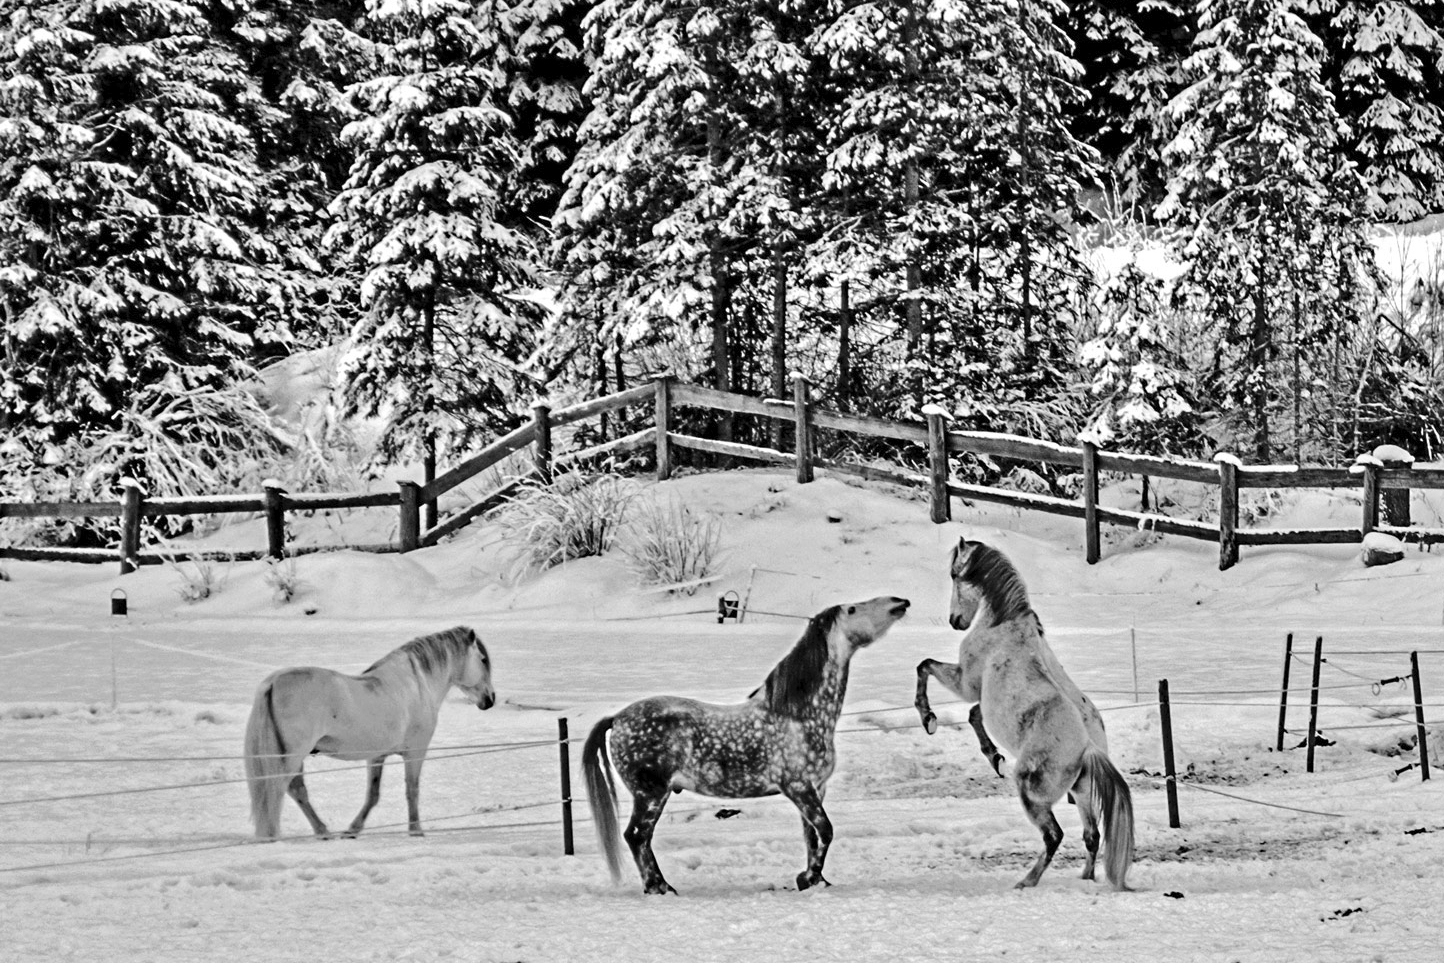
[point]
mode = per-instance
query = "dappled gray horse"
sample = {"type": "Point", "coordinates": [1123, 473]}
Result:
{"type": "Point", "coordinates": [779, 741]}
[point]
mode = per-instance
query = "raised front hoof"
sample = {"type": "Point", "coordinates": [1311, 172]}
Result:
{"type": "Point", "coordinates": [930, 723]}
{"type": "Point", "coordinates": [997, 760]}
{"type": "Point", "coordinates": [662, 888]}
{"type": "Point", "coordinates": [806, 880]}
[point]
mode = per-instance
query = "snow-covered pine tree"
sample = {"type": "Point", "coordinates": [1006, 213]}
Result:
{"type": "Point", "coordinates": [448, 326]}
{"type": "Point", "coordinates": [136, 272]}
{"type": "Point", "coordinates": [1270, 213]}
{"type": "Point", "coordinates": [1388, 70]}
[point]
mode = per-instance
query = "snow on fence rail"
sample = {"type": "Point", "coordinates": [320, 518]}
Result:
{"type": "Point", "coordinates": [1385, 480]}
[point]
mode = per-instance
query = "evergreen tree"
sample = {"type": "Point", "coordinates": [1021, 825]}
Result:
{"type": "Point", "coordinates": [1271, 214]}
{"type": "Point", "coordinates": [137, 274]}
{"type": "Point", "coordinates": [449, 322]}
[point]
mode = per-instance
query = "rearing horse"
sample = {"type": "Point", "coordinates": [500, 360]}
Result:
{"type": "Point", "coordinates": [779, 741]}
{"type": "Point", "coordinates": [1033, 709]}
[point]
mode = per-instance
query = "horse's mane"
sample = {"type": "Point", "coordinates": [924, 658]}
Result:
{"type": "Point", "coordinates": [791, 685]}
{"type": "Point", "coordinates": [430, 653]}
{"type": "Point", "coordinates": [1002, 587]}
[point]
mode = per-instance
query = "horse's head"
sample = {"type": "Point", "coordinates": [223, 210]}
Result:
{"type": "Point", "coordinates": [473, 675]}
{"type": "Point", "coordinates": [866, 622]}
{"type": "Point", "coordinates": [983, 576]}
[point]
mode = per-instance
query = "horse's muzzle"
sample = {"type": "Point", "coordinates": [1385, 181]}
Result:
{"type": "Point", "coordinates": [900, 609]}
{"type": "Point", "coordinates": [487, 701]}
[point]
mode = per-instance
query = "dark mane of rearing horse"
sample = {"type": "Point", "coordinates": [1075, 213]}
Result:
{"type": "Point", "coordinates": [1002, 587]}
{"type": "Point", "coordinates": [431, 653]}
{"type": "Point", "coordinates": [793, 682]}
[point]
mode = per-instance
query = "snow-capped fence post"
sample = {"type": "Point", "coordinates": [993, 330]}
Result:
{"type": "Point", "coordinates": [1394, 497]}
{"type": "Point", "coordinates": [563, 744]}
{"type": "Point", "coordinates": [131, 498]}
{"type": "Point", "coordinates": [541, 419]}
{"type": "Point", "coordinates": [1423, 737]}
{"type": "Point", "coordinates": [1284, 690]}
{"type": "Point", "coordinates": [1227, 510]}
{"type": "Point", "coordinates": [1314, 703]}
{"type": "Point", "coordinates": [802, 416]}
{"type": "Point", "coordinates": [940, 507]}
{"type": "Point", "coordinates": [1170, 787]}
{"type": "Point", "coordinates": [1370, 467]}
{"type": "Point", "coordinates": [664, 420]}
{"type": "Point", "coordinates": [274, 499]}
{"type": "Point", "coordinates": [408, 532]}
{"type": "Point", "coordinates": [1092, 544]}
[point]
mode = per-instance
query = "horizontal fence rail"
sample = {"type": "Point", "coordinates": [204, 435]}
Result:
{"type": "Point", "coordinates": [1385, 485]}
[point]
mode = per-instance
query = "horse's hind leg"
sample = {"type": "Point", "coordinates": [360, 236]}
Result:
{"type": "Point", "coordinates": [374, 768]}
{"type": "Point", "coordinates": [816, 830]}
{"type": "Point", "coordinates": [297, 789]}
{"type": "Point", "coordinates": [647, 805]}
{"type": "Point", "coordinates": [1038, 804]}
{"type": "Point", "coordinates": [1082, 795]}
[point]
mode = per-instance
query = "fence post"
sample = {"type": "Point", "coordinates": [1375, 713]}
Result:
{"type": "Point", "coordinates": [1165, 718]}
{"type": "Point", "coordinates": [940, 507]}
{"type": "Point", "coordinates": [409, 532]}
{"type": "Point", "coordinates": [542, 445]}
{"type": "Point", "coordinates": [1092, 544]}
{"type": "Point", "coordinates": [1314, 702]}
{"type": "Point", "coordinates": [131, 497]}
{"type": "Point", "coordinates": [563, 744]}
{"type": "Point", "coordinates": [1369, 466]}
{"type": "Point", "coordinates": [1284, 690]}
{"type": "Point", "coordinates": [802, 415]}
{"type": "Point", "coordinates": [1395, 501]}
{"type": "Point", "coordinates": [1419, 715]}
{"type": "Point", "coordinates": [1228, 466]}
{"type": "Point", "coordinates": [274, 498]}
{"type": "Point", "coordinates": [664, 421]}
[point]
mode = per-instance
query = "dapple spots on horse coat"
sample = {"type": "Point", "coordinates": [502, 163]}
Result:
{"type": "Point", "coordinates": [779, 741]}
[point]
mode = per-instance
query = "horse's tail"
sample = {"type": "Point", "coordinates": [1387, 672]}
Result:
{"type": "Point", "coordinates": [1113, 802]}
{"type": "Point", "coordinates": [602, 794]}
{"type": "Point", "coordinates": [265, 764]}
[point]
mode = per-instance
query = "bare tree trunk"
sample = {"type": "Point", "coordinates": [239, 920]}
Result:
{"type": "Point", "coordinates": [1258, 348]}
{"type": "Point", "coordinates": [844, 346]}
{"type": "Point", "coordinates": [428, 407]}
{"type": "Point", "coordinates": [1025, 253]}
{"type": "Point", "coordinates": [779, 338]}
{"type": "Point", "coordinates": [721, 293]}
{"type": "Point", "coordinates": [914, 281]}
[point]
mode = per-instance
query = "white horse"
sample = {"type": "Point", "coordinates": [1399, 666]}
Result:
{"type": "Point", "coordinates": [390, 709]}
{"type": "Point", "coordinates": [779, 741]}
{"type": "Point", "coordinates": [1033, 709]}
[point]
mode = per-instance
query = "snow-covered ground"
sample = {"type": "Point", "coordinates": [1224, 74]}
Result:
{"type": "Point", "coordinates": [1341, 864]}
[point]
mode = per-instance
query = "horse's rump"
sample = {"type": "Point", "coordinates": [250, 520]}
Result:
{"type": "Point", "coordinates": [716, 750]}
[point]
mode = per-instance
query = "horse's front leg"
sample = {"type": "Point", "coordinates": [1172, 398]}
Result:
{"type": "Point", "coordinates": [413, 759]}
{"type": "Point", "coordinates": [985, 741]}
{"type": "Point", "coordinates": [816, 830]}
{"type": "Point", "coordinates": [949, 675]}
{"type": "Point", "coordinates": [373, 794]}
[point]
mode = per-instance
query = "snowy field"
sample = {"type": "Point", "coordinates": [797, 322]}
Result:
{"type": "Point", "coordinates": [1341, 864]}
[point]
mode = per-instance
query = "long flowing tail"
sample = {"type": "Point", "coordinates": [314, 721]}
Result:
{"type": "Point", "coordinates": [602, 794]}
{"type": "Point", "coordinates": [265, 765]}
{"type": "Point", "coordinates": [1113, 801]}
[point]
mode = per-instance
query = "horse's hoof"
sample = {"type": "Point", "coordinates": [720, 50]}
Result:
{"type": "Point", "coordinates": [997, 760]}
{"type": "Point", "coordinates": [804, 881]}
{"type": "Point", "coordinates": [930, 724]}
{"type": "Point", "coordinates": [663, 889]}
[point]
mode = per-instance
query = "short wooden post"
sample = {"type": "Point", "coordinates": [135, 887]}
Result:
{"type": "Point", "coordinates": [274, 498]}
{"type": "Point", "coordinates": [131, 499]}
{"type": "Point", "coordinates": [1092, 544]}
{"type": "Point", "coordinates": [1314, 703]}
{"type": "Point", "coordinates": [1369, 467]}
{"type": "Point", "coordinates": [1170, 775]}
{"type": "Point", "coordinates": [1394, 498]}
{"type": "Point", "coordinates": [1284, 690]}
{"type": "Point", "coordinates": [541, 418]}
{"type": "Point", "coordinates": [802, 416]}
{"type": "Point", "coordinates": [1228, 466]}
{"type": "Point", "coordinates": [409, 531]}
{"type": "Point", "coordinates": [664, 425]}
{"type": "Point", "coordinates": [1419, 715]}
{"type": "Point", "coordinates": [563, 748]}
{"type": "Point", "coordinates": [940, 507]}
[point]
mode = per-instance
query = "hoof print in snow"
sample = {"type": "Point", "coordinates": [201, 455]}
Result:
{"type": "Point", "coordinates": [1339, 914]}
{"type": "Point", "coordinates": [1381, 549]}
{"type": "Point", "coordinates": [834, 517]}
{"type": "Point", "coordinates": [728, 813]}
{"type": "Point", "coordinates": [1174, 894]}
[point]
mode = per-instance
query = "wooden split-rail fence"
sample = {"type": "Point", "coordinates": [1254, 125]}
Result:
{"type": "Point", "coordinates": [1385, 481]}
